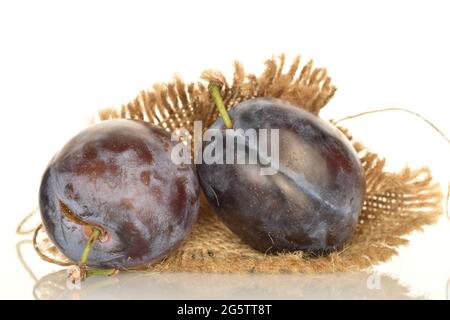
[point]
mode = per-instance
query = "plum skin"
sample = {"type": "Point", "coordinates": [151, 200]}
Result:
{"type": "Point", "coordinates": [118, 176]}
{"type": "Point", "coordinates": [314, 200]}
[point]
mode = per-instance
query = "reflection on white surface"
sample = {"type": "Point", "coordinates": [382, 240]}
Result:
{"type": "Point", "coordinates": [151, 285]}
{"type": "Point", "coordinates": [46, 281]}
{"type": "Point", "coordinates": [358, 285]}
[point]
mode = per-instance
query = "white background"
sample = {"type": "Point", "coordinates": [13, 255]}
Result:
{"type": "Point", "coordinates": [60, 61]}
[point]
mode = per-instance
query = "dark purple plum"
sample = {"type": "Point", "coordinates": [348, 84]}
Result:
{"type": "Point", "coordinates": [118, 176]}
{"type": "Point", "coordinates": [311, 203]}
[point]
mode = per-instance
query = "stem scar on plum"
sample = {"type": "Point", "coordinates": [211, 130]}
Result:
{"type": "Point", "coordinates": [84, 271]}
{"type": "Point", "coordinates": [93, 233]}
{"type": "Point", "coordinates": [87, 228]}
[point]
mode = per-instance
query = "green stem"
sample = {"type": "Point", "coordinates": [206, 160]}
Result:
{"type": "Point", "coordinates": [84, 257]}
{"type": "Point", "coordinates": [87, 249]}
{"type": "Point", "coordinates": [214, 91]}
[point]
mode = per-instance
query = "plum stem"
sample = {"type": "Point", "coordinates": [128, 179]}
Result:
{"type": "Point", "coordinates": [87, 249]}
{"type": "Point", "coordinates": [214, 91]}
{"type": "Point", "coordinates": [85, 255]}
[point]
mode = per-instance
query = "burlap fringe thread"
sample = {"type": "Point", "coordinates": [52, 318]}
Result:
{"type": "Point", "coordinates": [395, 205]}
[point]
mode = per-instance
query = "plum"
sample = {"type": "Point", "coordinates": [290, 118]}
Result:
{"type": "Point", "coordinates": [118, 177]}
{"type": "Point", "coordinates": [311, 203]}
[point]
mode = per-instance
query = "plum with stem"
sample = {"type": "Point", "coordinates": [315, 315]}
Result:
{"type": "Point", "coordinates": [312, 202]}
{"type": "Point", "coordinates": [115, 183]}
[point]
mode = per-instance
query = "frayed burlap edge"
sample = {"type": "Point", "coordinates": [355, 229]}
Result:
{"type": "Point", "coordinates": [176, 104]}
{"type": "Point", "coordinates": [396, 203]}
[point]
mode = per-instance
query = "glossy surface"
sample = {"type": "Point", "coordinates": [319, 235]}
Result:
{"type": "Point", "coordinates": [312, 203]}
{"type": "Point", "coordinates": [118, 175]}
{"type": "Point", "coordinates": [352, 285]}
